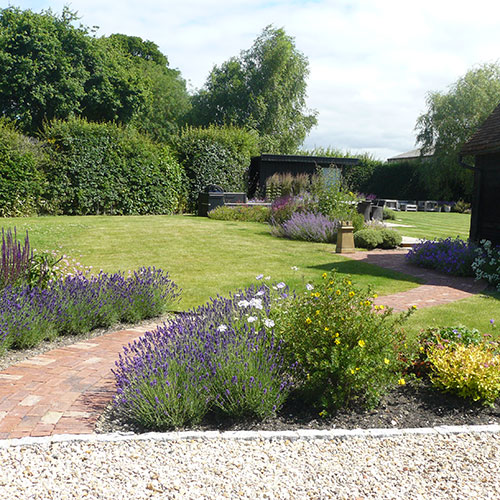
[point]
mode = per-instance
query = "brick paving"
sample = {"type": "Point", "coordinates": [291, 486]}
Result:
{"type": "Point", "coordinates": [436, 289]}
{"type": "Point", "coordinates": [64, 391]}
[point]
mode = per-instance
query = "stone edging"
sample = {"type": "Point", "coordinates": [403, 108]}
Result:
{"type": "Point", "coordinates": [307, 434]}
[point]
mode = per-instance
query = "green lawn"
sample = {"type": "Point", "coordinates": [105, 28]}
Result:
{"type": "Point", "coordinates": [204, 256]}
{"type": "Point", "coordinates": [475, 312]}
{"type": "Point", "coordinates": [433, 225]}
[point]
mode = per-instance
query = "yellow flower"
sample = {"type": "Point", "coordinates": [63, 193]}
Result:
{"type": "Point", "coordinates": [413, 306]}
{"type": "Point", "coordinates": [317, 312]}
{"type": "Point", "coordinates": [377, 308]}
{"type": "Point", "coordinates": [317, 294]}
{"type": "Point", "coordinates": [349, 283]}
{"type": "Point", "coordinates": [308, 321]}
{"type": "Point", "coordinates": [337, 334]}
{"type": "Point", "coordinates": [323, 413]}
{"type": "Point", "coordinates": [386, 361]}
{"type": "Point", "coordinates": [352, 371]}
{"type": "Point", "coordinates": [361, 343]}
{"type": "Point", "coordinates": [360, 302]}
{"type": "Point", "coordinates": [401, 381]}
{"type": "Point", "coordinates": [324, 275]}
{"type": "Point", "coordinates": [375, 295]}
{"type": "Point", "coordinates": [326, 329]}
{"type": "Point", "coordinates": [381, 307]}
{"type": "Point", "coordinates": [351, 294]}
{"type": "Point", "coordinates": [368, 303]}
{"type": "Point", "coordinates": [338, 292]}
{"type": "Point", "coordinates": [331, 283]}
{"type": "Point", "coordinates": [337, 341]}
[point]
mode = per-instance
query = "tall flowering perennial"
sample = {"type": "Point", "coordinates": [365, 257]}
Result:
{"type": "Point", "coordinates": [221, 357]}
{"type": "Point", "coordinates": [343, 347]}
{"type": "Point", "coordinates": [486, 265]}
{"type": "Point", "coordinates": [449, 256]}
{"type": "Point", "coordinates": [15, 258]}
{"type": "Point", "coordinates": [76, 304]}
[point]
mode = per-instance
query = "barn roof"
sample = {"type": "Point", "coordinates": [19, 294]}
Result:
{"type": "Point", "coordinates": [307, 159]}
{"type": "Point", "coordinates": [487, 138]}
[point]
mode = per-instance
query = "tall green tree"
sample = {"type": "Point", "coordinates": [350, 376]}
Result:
{"type": "Point", "coordinates": [166, 100]}
{"type": "Point", "coordinates": [43, 74]}
{"type": "Point", "coordinates": [451, 119]}
{"type": "Point", "coordinates": [263, 89]}
{"type": "Point", "coordinates": [52, 69]}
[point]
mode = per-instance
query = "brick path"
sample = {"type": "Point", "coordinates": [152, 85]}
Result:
{"type": "Point", "coordinates": [64, 391]}
{"type": "Point", "coordinates": [437, 288]}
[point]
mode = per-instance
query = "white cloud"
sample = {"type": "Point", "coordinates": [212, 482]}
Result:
{"type": "Point", "coordinates": [372, 62]}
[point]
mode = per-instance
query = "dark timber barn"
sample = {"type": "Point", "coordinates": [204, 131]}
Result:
{"type": "Point", "coordinates": [485, 146]}
{"type": "Point", "coordinates": [264, 166]}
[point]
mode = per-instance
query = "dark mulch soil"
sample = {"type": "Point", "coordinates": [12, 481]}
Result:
{"type": "Point", "coordinates": [414, 405]}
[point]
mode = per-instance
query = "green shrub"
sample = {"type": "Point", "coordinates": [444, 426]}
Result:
{"type": "Point", "coordinates": [461, 207]}
{"type": "Point", "coordinates": [389, 214]}
{"type": "Point", "coordinates": [215, 155]}
{"type": "Point", "coordinates": [243, 213]}
{"type": "Point", "coordinates": [470, 371]}
{"type": "Point", "coordinates": [368, 238]}
{"type": "Point", "coordinates": [333, 197]}
{"type": "Point", "coordinates": [344, 349]}
{"type": "Point", "coordinates": [358, 222]}
{"type": "Point", "coordinates": [449, 334]}
{"type": "Point", "coordinates": [21, 173]}
{"type": "Point", "coordinates": [390, 238]}
{"type": "Point", "coordinates": [103, 168]}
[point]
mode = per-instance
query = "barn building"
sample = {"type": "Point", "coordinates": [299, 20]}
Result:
{"type": "Point", "coordinates": [484, 145]}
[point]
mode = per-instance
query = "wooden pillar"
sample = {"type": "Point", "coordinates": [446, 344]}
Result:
{"type": "Point", "coordinates": [345, 238]}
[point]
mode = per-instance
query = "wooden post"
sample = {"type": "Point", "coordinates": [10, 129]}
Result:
{"type": "Point", "coordinates": [345, 237]}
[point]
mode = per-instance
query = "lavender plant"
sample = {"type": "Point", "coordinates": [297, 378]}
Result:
{"type": "Point", "coordinates": [81, 303]}
{"type": "Point", "coordinates": [308, 226]}
{"type": "Point", "coordinates": [450, 256]}
{"type": "Point", "coordinates": [221, 356]}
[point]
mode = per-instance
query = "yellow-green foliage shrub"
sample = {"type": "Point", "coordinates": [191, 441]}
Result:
{"type": "Point", "coordinates": [471, 371]}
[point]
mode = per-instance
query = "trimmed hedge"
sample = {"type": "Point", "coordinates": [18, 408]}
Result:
{"type": "Point", "coordinates": [104, 168]}
{"type": "Point", "coordinates": [397, 180]}
{"type": "Point", "coordinates": [215, 155]}
{"type": "Point", "coordinates": [21, 173]}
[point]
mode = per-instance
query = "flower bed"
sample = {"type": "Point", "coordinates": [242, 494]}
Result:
{"type": "Point", "coordinates": [222, 357]}
{"type": "Point", "coordinates": [450, 256]}
{"type": "Point", "coordinates": [76, 304]}
{"type": "Point", "coordinates": [241, 356]}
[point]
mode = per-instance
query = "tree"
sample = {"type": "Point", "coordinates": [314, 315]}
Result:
{"type": "Point", "coordinates": [451, 119]}
{"type": "Point", "coordinates": [54, 70]}
{"type": "Point", "coordinates": [43, 71]}
{"type": "Point", "coordinates": [263, 89]}
{"type": "Point", "coordinates": [166, 101]}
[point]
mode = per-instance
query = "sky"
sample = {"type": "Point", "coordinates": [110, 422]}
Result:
{"type": "Point", "coordinates": [372, 62]}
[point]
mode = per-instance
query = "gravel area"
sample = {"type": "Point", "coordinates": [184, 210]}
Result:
{"type": "Point", "coordinates": [455, 466]}
{"type": "Point", "coordinates": [217, 463]}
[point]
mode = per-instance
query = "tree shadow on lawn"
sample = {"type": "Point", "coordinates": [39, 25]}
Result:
{"type": "Point", "coordinates": [358, 268]}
